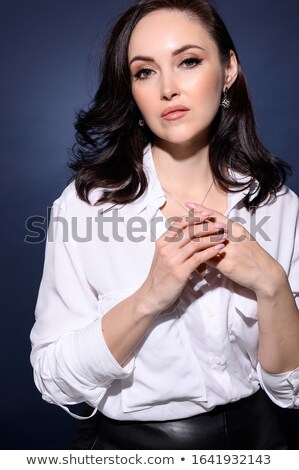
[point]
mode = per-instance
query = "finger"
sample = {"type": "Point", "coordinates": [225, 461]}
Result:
{"type": "Point", "coordinates": [177, 224]}
{"type": "Point", "coordinates": [200, 246]}
{"type": "Point", "coordinates": [207, 231]}
{"type": "Point", "coordinates": [203, 257]}
{"type": "Point", "coordinates": [175, 229]}
{"type": "Point", "coordinates": [203, 236]}
{"type": "Point", "coordinates": [184, 249]}
{"type": "Point", "coordinates": [198, 208]}
{"type": "Point", "coordinates": [199, 218]}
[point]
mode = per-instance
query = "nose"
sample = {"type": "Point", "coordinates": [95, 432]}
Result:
{"type": "Point", "coordinates": [169, 88]}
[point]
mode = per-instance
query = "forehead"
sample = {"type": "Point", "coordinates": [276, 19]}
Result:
{"type": "Point", "coordinates": [167, 30]}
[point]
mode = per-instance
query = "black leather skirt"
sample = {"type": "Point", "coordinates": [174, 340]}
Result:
{"type": "Point", "coordinates": [250, 423]}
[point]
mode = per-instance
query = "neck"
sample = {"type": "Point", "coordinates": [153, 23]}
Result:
{"type": "Point", "coordinates": [182, 169]}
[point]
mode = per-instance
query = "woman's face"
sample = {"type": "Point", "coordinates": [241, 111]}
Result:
{"type": "Point", "coordinates": [174, 63]}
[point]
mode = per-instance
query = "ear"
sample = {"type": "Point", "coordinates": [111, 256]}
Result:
{"type": "Point", "coordinates": [231, 71]}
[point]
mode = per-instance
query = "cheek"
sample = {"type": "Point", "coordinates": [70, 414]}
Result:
{"type": "Point", "coordinates": [208, 90]}
{"type": "Point", "coordinates": [142, 100]}
{"type": "Point", "coordinates": [206, 84]}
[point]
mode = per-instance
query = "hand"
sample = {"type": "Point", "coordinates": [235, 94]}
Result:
{"type": "Point", "coordinates": [243, 260]}
{"type": "Point", "coordinates": [189, 242]}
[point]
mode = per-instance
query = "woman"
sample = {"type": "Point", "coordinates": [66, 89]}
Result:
{"type": "Point", "coordinates": [168, 296]}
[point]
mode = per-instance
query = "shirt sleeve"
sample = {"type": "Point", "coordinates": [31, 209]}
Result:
{"type": "Point", "coordinates": [283, 389]}
{"type": "Point", "coordinates": [293, 273]}
{"type": "Point", "coordinates": [71, 360]}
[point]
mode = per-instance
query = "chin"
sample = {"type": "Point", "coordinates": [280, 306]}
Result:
{"type": "Point", "coordinates": [184, 138]}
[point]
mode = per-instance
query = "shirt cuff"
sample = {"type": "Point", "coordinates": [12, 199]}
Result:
{"type": "Point", "coordinates": [283, 388]}
{"type": "Point", "coordinates": [95, 358]}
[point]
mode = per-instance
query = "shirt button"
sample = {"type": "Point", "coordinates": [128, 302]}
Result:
{"type": "Point", "coordinates": [210, 312]}
{"type": "Point", "coordinates": [219, 275]}
{"type": "Point", "coordinates": [295, 375]}
{"type": "Point", "coordinates": [190, 277]}
{"type": "Point", "coordinates": [217, 361]}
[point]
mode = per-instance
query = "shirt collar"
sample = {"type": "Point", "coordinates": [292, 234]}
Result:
{"type": "Point", "coordinates": [236, 197]}
{"type": "Point", "coordinates": [154, 195]}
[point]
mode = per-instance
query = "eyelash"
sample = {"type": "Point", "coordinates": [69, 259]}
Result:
{"type": "Point", "coordinates": [193, 60]}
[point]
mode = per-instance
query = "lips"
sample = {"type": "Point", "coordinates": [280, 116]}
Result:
{"type": "Point", "coordinates": [174, 109]}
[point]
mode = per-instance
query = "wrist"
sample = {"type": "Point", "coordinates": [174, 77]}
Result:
{"type": "Point", "coordinates": [270, 286]}
{"type": "Point", "coordinates": [147, 305]}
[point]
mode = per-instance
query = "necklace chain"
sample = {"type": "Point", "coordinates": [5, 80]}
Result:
{"type": "Point", "coordinates": [204, 273]}
{"type": "Point", "coordinates": [202, 202]}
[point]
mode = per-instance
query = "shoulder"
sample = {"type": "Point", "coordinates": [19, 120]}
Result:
{"type": "Point", "coordinates": [68, 196]}
{"type": "Point", "coordinates": [69, 201]}
{"type": "Point", "coordinates": [283, 208]}
{"type": "Point", "coordinates": [285, 199]}
{"type": "Point", "coordinates": [278, 219]}
{"type": "Point", "coordinates": [274, 224]}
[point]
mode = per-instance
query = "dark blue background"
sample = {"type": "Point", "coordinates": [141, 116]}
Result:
{"type": "Point", "coordinates": [48, 63]}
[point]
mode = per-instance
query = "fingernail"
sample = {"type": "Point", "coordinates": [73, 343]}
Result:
{"type": "Point", "coordinates": [220, 225]}
{"type": "Point", "coordinates": [219, 247]}
{"type": "Point", "coordinates": [221, 237]}
{"type": "Point", "coordinates": [191, 205]}
{"type": "Point", "coordinates": [206, 213]}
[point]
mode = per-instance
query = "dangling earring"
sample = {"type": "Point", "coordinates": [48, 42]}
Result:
{"type": "Point", "coordinates": [225, 102]}
{"type": "Point", "coordinates": [141, 122]}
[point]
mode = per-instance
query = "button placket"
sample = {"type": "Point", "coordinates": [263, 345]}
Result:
{"type": "Point", "coordinates": [231, 336]}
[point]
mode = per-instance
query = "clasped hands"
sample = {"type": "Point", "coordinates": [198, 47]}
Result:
{"type": "Point", "coordinates": [242, 259]}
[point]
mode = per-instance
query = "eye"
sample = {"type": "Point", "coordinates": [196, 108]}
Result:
{"type": "Point", "coordinates": [191, 62]}
{"type": "Point", "coordinates": [143, 74]}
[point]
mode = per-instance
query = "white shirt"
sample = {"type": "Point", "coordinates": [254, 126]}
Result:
{"type": "Point", "coordinates": [200, 353]}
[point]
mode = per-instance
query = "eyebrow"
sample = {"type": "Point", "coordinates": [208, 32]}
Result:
{"type": "Point", "coordinates": [177, 52]}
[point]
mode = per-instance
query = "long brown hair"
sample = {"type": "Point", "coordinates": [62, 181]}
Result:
{"type": "Point", "coordinates": [109, 142]}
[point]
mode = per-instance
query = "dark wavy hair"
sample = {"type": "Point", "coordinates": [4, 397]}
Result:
{"type": "Point", "coordinates": [108, 152]}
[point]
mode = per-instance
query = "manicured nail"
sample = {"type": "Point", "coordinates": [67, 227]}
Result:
{"type": "Point", "coordinates": [221, 237]}
{"type": "Point", "coordinates": [219, 247]}
{"type": "Point", "coordinates": [206, 213]}
{"type": "Point", "coordinates": [190, 205]}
